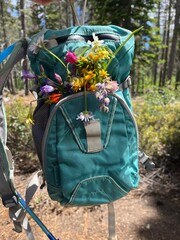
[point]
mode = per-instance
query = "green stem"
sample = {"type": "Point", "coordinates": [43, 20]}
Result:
{"type": "Point", "coordinates": [56, 58]}
{"type": "Point", "coordinates": [85, 50]}
{"type": "Point", "coordinates": [85, 99]}
{"type": "Point", "coordinates": [119, 48]}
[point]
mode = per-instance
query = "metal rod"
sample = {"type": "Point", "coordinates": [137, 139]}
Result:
{"type": "Point", "coordinates": [35, 218]}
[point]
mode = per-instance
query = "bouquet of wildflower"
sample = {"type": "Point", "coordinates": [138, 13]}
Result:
{"type": "Point", "coordinates": [89, 73]}
{"type": "Point", "coordinates": [86, 71]}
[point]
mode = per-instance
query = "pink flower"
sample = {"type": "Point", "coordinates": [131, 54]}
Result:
{"type": "Point", "coordinates": [114, 85]}
{"type": "Point", "coordinates": [106, 101]}
{"type": "Point", "coordinates": [58, 78]}
{"type": "Point", "coordinates": [111, 86]}
{"type": "Point", "coordinates": [71, 57]}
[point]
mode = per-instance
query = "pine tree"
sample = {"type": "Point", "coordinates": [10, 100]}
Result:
{"type": "Point", "coordinates": [174, 44]}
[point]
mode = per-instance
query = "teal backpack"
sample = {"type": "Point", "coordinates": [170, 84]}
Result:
{"type": "Point", "coordinates": [85, 163]}
{"type": "Point", "coordinates": [83, 127]}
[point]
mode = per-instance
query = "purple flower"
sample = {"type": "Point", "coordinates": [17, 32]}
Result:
{"type": "Point", "coordinates": [71, 57]}
{"type": "Point", "coordinates": [101, 95]}
{"type": "Point", "coordinates": [27, 75]}
{"type": "Point", "coordinates": [100, 86]}
{"type": "Point", "coordinates": [85, 116]}
{"type": "Point", "coordinates": [47, 89]}
{"type": "Point", "coordinates": [68, 87]}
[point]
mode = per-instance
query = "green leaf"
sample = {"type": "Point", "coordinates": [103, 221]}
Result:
{"type": "Point", "coordinates": [80, 51]}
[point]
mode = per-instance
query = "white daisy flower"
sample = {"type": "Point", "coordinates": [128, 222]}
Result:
{"type": "Point", "coordinates": [85, 117]}
{"type": "Point", "coordinates": [96, 42]}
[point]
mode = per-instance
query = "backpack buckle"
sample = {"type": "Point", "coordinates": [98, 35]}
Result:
{"type": "Point", "coordinates": [125, 84]}
{"type": "Point", "coordinates": [10, 201]}
{"type": "Point", "coordinates": [146, 161]}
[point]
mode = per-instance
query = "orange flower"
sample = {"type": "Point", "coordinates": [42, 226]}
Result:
{"type": "Point", "coordinates": [90, 54]}
{"type": "Point", "coordinates": [54, 98]}
{"type": "Point", "coordinates": [92, 88]}
{"type": "Point", "coordinates": [96, 57]}
{"type": "Point", "coordinates": [84, 71]}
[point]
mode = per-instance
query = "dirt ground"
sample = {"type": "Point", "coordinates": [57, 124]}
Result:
{"type": "Point", "coordinates": [151, 212]}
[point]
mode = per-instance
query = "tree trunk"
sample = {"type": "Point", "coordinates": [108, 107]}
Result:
{"type": "Point", "coordinates": [127, 23]}
{"type": "Point", "coordinates": [23, 33]}
{"type": "Point", "coordinates": [178, 68]}
{"type": "Point", "coordinates": [162, 58]}
{"type": "Point", "coordinates": [3, 24]}
{"type": "Point", "coordinates": [174, 41]}
{"type": "Point", "coordinates": [161, 80]}
{"type": "Point", "coordinates": [5, 41]}
{"type": "Point", "coordinates": [167, 44]}
{"type": "Point", "coordinates": [155, 65]}
{"type": "Point", "coordinates": [23, 28]}
{"type": "Point", "coordinates": [155, 71]}
{"type": "Point", "coordinates": [177, 79]}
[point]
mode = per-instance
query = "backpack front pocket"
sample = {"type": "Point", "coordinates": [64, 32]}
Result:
{"type": "Point", "coordinates": [96, 190]}
{"type": "Point", "coordinates": [107, 172]}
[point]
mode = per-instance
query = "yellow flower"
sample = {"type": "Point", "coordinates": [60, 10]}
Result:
{"type": "Point", "coordinates": [90, 73]}
{"type": "Point", "coordinates": [77, 84]}
{"type": "Point", "coordinates": [103, 73]}
{"type": "Point", "coordinates": [29, 119]}
{"type": "Point", "coordinates": [87, 77]}
{"type": "Point", "coordinates": [104, 54]}
{"type": "Point", "coordinates": [84, 59]}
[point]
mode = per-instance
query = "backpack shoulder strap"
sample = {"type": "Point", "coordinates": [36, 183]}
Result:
{"type": "Point", "coordinates": [6, 52]}
{"type": "Point", "coordinates": [7, 191]}
{"type": "Point", "coordinates": [18, 52]}
{"type": "Point", "coordinates": [10, 197]}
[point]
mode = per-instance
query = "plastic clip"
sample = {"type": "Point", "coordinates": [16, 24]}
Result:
{"type": "Point", "coordinates": [146, 161]}
{"type": "Point", "coordinates": [10, 201]}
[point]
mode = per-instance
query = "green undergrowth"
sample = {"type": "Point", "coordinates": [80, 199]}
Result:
{"type": "Point", "coordinates": [19, 134]}
{"type": "Point", "coordinates": [158, 119]}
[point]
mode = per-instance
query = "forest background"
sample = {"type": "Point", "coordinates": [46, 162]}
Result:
{"type": "Point", "coordinates": [155, 71]}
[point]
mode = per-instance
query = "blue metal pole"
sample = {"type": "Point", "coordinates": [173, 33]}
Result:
{"type": "Point", "coordinates": [35, 218]}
